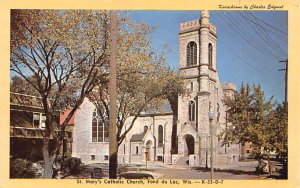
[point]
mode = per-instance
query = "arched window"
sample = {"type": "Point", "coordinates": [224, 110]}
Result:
{"type": "Point", "coordinates": [136, 150]}
{"type": "Point", "coordinates": [99, 127]}
{"type": "Point", "coordinates": [160, 135]}
{"type": "Point", "coordinates": [145, 129]}
{"type": "Point", "coordinates": [210, 55]}
{"type": "Point", "coordinates": [192, 111]}
{"type": "Point", "coordinates": [191, 54]}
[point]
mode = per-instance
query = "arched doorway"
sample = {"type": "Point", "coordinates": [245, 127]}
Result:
{"type": "Point", "coordinates": [189, 146]}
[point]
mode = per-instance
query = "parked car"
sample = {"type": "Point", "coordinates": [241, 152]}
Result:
{"type": "Point", "coordinates": [135, 175]}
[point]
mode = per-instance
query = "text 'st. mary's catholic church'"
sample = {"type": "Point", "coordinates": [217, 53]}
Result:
{"type": "Point", "coordinates": [181, 137]}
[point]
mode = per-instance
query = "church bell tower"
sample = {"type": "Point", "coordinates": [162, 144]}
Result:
{"type": "Point", "coordinates": [197, 46]}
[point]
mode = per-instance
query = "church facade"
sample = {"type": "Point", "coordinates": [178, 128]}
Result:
{"type": "Point", "coordinates": [182, 137]}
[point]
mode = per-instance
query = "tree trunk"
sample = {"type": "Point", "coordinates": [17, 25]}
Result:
{"type": "Point", "coordinates": [48, 160]}
{"type": "Point", "coordinates": [113, 165]}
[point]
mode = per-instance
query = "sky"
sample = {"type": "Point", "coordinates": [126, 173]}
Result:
{"type": "Point", "coordinates": [249, 47]}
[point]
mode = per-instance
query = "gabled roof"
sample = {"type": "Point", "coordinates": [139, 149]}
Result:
{"type": "Point", "coordinates": [165, 108]}
{"type": "Point", "coordinates": [64, 115]}
{"type": "Point", "coordinates": [137, 137]}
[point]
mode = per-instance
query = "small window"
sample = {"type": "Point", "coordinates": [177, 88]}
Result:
{"type": "Point", "coordinates": [159, 158]}
{"type": "Point", "coordinates": [160, 136]}
{"type": "Point", "coordinates": [105, 157]}
{"type": "Point", "coordinates": [43, 121]}
{"type": "Point", "coordinates": [36, 119]}
{"type": "Point", "coordinates": [192, 111]}
{"type": "Point", "coordinates": [210, 54]}
{"type": "Point", "coordinates": [247, 151]}
{"type": "Point", "coordinates": [39, 120]}
{"type": "Point", "coordinates": [93, 157]}
{"type": "Point", "coordinates": [136, 150]}
{"type": "Point", "coordinates": [192, 86]}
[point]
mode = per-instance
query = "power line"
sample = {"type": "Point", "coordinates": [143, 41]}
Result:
{"type": "Point", "coordinates": [241, 58]}
{"type": "Point", "coordinates": [284, 34]}
{"type": "Point", "coordinates": [247, 37]}
{"type": "Point", "coordinates": [256, 43]}
{"type": "Point", "coordinates": [274, 44]}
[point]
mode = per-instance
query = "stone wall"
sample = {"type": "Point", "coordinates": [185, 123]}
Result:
{"type": "Point", "coordinates": [92, 152]}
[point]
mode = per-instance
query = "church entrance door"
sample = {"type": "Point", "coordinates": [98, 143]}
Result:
{"type": "Point", "coordinates": [189, 145]}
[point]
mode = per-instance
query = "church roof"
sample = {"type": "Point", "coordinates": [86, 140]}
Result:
{"type": "Point", "coordinates": [165, 108]}
{"type": "Point", "coordinates": [137, 137]}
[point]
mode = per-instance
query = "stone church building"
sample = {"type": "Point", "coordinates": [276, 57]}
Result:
{"type": "Point", "coordinates": [152, 136]}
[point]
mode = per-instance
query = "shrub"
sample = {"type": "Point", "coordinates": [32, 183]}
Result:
{"type": "Point", "coordinates": [21, 168]}
{"type": "Point", "coordinates": [72, 165]}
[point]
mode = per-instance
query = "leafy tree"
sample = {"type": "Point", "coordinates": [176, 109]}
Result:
{"type": "Point", "coordinates": [19, 85]}
{"type": "Point", "coordinates": [62, 55]}
{"type": "Point", "coordinates": [247, 114]}
{"type": "Point", "coordinates": [144, 81]}
{"type": "Point", "coordinates": [253, 119]}
{"type": "Point", "coordinates": [278, 131]}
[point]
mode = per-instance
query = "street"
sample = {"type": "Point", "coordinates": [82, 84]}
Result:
{"type": "Point", "coordinates": [239, 170]}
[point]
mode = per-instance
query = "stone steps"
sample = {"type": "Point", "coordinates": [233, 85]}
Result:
{"type": "Point", "coordinates": [182, 161]}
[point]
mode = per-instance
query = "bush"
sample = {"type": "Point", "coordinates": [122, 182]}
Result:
{"type": "Point", "coordinates": [72, 165]}
{"type": "Point", "coordinates": [21, 168]}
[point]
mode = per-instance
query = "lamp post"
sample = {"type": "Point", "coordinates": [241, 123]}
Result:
{"type": "Point", "coordinates": [211, 116]}
{"type": "Point", "coordinates": [206, 153]}
{"type": "Point", "coordinates": [113, 145]}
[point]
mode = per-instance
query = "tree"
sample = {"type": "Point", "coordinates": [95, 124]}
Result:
{"type": "Point", "coordinates": [253, 119]}
{"type": "Point", "coordinates": [247, 114]}
{"type": "Point", "coordinates": [19, 85]}
{"type": "Point", "coordinates": [144, 81]}
{"type": "Point", "coordinates": [62, 55]}
{"type": "Point", "coordinates": [278, 131]}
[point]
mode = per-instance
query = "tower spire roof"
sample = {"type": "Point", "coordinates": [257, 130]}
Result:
{"type": "Point", "coordinates": [204, 14]}
{"type": "Point", "coordinates": [204, 20]}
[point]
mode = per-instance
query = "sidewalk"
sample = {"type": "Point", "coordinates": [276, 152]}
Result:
{"type": "Point", "coordinates": [249, 165]}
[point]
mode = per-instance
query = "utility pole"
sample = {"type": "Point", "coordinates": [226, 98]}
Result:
{"type": "Point", "coordinates": [286, 81]}
{"type": "Point", "coordinates": [113, 145]}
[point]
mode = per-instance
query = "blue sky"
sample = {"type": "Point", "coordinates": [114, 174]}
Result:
{"type": "Point", "coordinates": [250, 44]}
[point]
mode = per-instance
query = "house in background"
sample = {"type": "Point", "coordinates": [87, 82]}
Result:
{"type": "Point", "coordinates": [27, 123]}
{"type": "Point", "coordinates": [67, 148]}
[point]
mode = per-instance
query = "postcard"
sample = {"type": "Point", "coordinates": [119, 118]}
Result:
{"type": "Point", "coordinates": [149, 93]}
